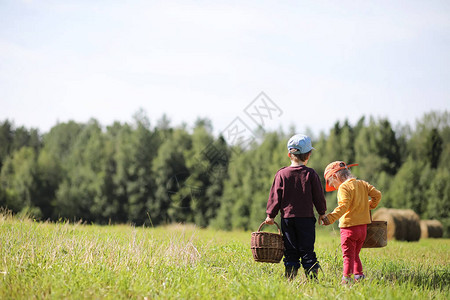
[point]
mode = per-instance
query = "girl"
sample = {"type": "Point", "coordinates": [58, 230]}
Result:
{"type": "Point", "coordinates": [353, 214]}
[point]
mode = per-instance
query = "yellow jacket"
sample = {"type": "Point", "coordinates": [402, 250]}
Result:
{"type": "Point", "coordinates": [354, 204]}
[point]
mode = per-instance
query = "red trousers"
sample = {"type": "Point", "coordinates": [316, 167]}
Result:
{"type": "Point", "coordinates": [352, 239]}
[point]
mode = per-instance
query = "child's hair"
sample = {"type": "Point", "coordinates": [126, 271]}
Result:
{"type": "Point", "coordinates": [344, 174]}
{"type": "Point", "coordinates": [302, 157]}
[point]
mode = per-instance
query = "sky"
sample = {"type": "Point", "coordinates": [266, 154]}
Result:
{"type": "Point", "coordinates": [278, 64]}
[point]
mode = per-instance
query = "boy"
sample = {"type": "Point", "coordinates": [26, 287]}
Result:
{"type": "Point", "coordinates": [353, 212]}
{"type": "Point", "coordinates": [295, 190]}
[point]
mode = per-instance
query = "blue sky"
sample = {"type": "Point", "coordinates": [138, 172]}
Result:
{"type": "Point", "coordinates": [318, 61]}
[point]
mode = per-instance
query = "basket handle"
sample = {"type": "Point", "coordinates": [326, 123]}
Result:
{"type": "Point", "coordinates": [264, 222]}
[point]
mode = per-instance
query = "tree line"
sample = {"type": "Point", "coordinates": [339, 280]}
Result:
{"type": "Point", "coordinates": [142, 174]}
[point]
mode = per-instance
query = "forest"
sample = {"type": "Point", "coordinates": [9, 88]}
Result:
{"type": "Point", "coordinates": [154, 174]}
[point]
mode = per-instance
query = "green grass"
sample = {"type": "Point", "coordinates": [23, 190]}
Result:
{"type": "Point", "coordinates": [73, 261]}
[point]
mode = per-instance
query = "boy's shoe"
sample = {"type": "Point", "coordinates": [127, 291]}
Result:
{"type": "Point", "coordinates": [312, 274]}
{"type": "Point", "coordinates": [346, 280]}
{"type": "Point", "coordinates": [359, 277]}
{"type": "Point", "coordinates": [290, 272]}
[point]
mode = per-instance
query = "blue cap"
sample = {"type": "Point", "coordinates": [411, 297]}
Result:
{"type": "Point", "coordinates": [300, 142]}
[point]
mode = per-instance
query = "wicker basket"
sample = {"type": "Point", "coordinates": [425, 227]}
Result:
{"type": "Point", "coordinates": [376, 235]}
{"type": "Point", "coordinates": [267, 247]}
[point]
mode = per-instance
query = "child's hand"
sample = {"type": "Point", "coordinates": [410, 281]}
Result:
{"type": "Point", "coordinates": [320, 219]}
{"type": "Point", "coordinates": [324, 220]}
{"type": "Point", "coordinates": [269, 220]}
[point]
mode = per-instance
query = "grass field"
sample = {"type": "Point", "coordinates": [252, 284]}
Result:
{"type": "Point", "coordinates": [73, 261]}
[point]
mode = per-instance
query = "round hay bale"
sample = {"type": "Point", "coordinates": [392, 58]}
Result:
{"type": "Point", "coordinates": [431, 229]}
{"type": "Point", "coordinates": [403, 224]}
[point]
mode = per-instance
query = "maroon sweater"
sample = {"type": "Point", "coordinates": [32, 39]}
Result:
{"type": "Point", "coordinates": [294, 192]}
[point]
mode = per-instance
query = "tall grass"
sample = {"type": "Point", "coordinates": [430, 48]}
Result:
{"type": "Point", "coordinates": [73, 261]}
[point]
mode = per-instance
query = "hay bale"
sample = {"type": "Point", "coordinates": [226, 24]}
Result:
{"type": "Point", "coordinates": [431, 229]}
{"type": "Point", "coordinates": [403, 224]}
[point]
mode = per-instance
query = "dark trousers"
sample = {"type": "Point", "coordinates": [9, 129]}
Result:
{"type": "Point", "coordinates": [299, 236]}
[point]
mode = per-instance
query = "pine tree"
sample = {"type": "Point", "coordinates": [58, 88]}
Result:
{"type": "Point", "coordinates": [81, 192]}
{"type": "Point", "coordinates": [434, 148]}
{"type": "Point", "coordinates": [18, 181]}
{"type": "Point", "coordinates": [169, 169]}
{"type": "Point", "coordinates": [438, 196]}
{"type": "Point", "coordinates": [376, 151]}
